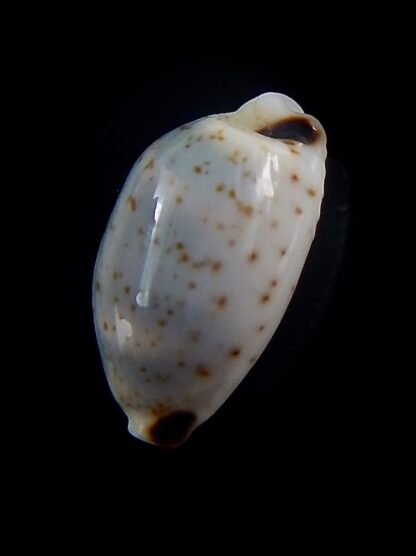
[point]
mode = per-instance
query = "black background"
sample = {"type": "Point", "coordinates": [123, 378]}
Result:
{"type": "Point", "coordinates": [296, 414]}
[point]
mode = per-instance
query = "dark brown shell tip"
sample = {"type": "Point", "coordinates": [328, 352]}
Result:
{"type": "Point", "coordinates": [296, 128]}
{"type": "Point", "coordinates": [173, 429]}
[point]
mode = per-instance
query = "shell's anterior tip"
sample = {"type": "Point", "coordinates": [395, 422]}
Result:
{"type": "Point", "coordinates": [294, 128]}
{"type": "Point", "coordinates": [173, 429]}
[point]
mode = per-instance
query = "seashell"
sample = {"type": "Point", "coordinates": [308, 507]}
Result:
{"type": "Point", "coordinates": [201, 257]}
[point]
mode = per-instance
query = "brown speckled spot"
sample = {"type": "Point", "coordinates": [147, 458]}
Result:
{"type": "Point", "coordinates": [220, 226]}
{"type": "Point", "coordinates": [156, 241]}
{"type": "Point", "coordinates": [231, 193]}
{"type": "Point", "coordinates": [161, 323]}
{"type": "Point", "coordinates": [179, 246]}
{"type": "Point", "coordinates": [245, 209]}
{"type": "Point", "coordinates": [131, 202]}
{"type": "Point", "coordinates": [105, 325]}
{"type": "Point", "coordinates": [294, 178]}
{"type": "Point", "coordinates": [217, 136]}
{"type": "Point", "coordinates": [143, 369]}
{"type": "Point", "coordinates": [184, 258]}
{"type": "Point", "coordinates": [311, 192]}
{"type": "Point", "coordinates": [199, 137]}
{"type": "Point", "coordinates": [233, 157]}
{"type": "Point", "coordinates": [113, 328]}
{"type": "Point", "coordinates": [273, 224]}
{"type": "Point", "coordinates": [252, 360]}
{"type": "Point", "coordinates": [295, 128]}
{"type": "Point", "coordinates": [247, 173]}
{"type": "Point", "coordinates": [283, 252]}
{"type": "Point", "coordinates": [298, 211]}
{"type": "Point", "coordinates": [235, 352]}
{"type": "Point", "coordinates": [261, 327]}
{"type": "Point", "coordinates": [97, 286]}
{"type": "Point", "coordinates": [216, 266]}
{"type": "Point", "coordinates": [273, 283]}
{"type": "Point", "coordinates": [126, 289]}
{"type": "Point", "coordinates": [265, 298]}
{"type": "Point", "coordinates": [117, 275]}
{"type": "Point", "coordinates": [140, 231]}
{"type": "Point", "coordinates": [179, 199]}
{"type": "Point", "coordinates": [170, 313]}
{"type": "Point", "coordinates": [293, 150]}
{"type": "Point", "coordinates": [171, 430]}
{"type": "Point", "coordinates": [153, 343]}
{"type": "Point", "coordinates": [197, 169]}
{"type": "Point", "coordinates": [191, 285]}
{"type": "Point", "coordinates": [116, 299]}
{"type": "Point", "coordinates": [252, 257]}
{"type": "Point", "coordinates": [244, 159]}
{"type": "Point", "coordinates": [202, 371]}
{"type": "Point", "coordinates": [181, 364]}
{"type": "Point", "coordinates": [221, 301]}
{"type": "Point", "coordinates": [194, 336]}
{"type": "Point", "coordinates": [219, 187]}
{"type": "Point", "coordinates": [150, 165]}
{"type": "Point", "coordinates": [231, 242]}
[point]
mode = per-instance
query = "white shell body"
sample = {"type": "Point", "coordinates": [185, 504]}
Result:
{"type": "Point", "coordinates": [200, 259]}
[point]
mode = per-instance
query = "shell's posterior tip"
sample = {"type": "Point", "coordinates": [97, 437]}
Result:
{"type": "Point", "coordinates": [169, 431]}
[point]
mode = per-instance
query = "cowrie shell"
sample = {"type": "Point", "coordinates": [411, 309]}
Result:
{"type": "Point", "coordinates": [200, 259]}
